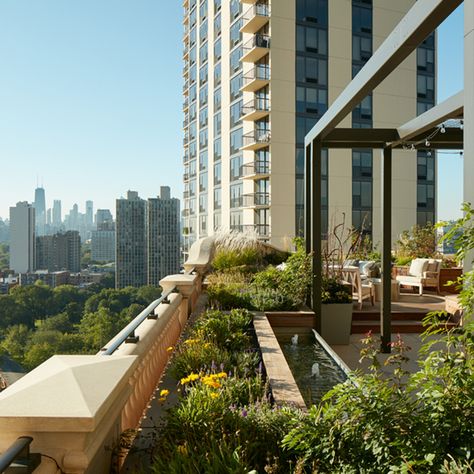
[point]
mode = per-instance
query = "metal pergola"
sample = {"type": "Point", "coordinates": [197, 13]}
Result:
{"type": "Point", "coordinates": [427, 131]}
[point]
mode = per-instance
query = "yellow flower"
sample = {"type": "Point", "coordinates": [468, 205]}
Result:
{"type": "Point", "coordinates": [211, 382]}
{"type": "Point", "coordinates": [221, 375]}
{"type": "Point", "coordinates": [169, 349]}
{"type": "Point", "coordinates": [164, 393]}
{"type": "Point", "coordinates": [191, 341]}
{"type": "Point", "coordinates": [162, 399]}
{"type": "Point", "coordinates": [190, 378]}
{"type": "Point", "coordinates": [182, 449]}
{"type": "Point", "coordinates": [207, 345]}
{"type": "Point", "coordinates": [214, 395]}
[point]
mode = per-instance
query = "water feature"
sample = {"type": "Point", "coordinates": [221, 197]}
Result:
{"type": "Point", "coordinates": [314, 370]}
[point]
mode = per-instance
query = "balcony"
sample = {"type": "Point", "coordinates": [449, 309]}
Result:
{"type": "Point", "coordinates": [256, 48]}
{"type": "Point", "coordinates": [256, 109]}
{"type": "Point", "coordinates": [255, 18]}
{"type": "Point", "coordinates": [256, 170]}
{"type": "Point", "coordinates": [256, 200]}
{"type": "Point", "coordinates": [256, 140]}
{"type": "Point", "coordinates": [256, 78]}
{"type": "Point", "coordinates": [236, 202]}
{"type": "Point", "coordinates": [262, 230]}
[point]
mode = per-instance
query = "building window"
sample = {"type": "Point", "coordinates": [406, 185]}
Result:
{"type": "Point", "coordinates": [203, 138]}
{"type": "Point", "coordinates": [217, 26]}
{"type": "Point", "coordinates": [217, 74]}
{"type": "Point", "coordinates": [235, 113]}
{"type": "Point", "coordinates": [217, 50]}
{"type": "Point", "coordinates": [236, 168]}
{"type": "Point", "coordinates": [203, 32]}
{"type": "Point", "coordinates": [311, 100]}
{"type": "Point", "coordinates": [236, 141]}
{"type": "Point", "coordinates": [203, 160]}
{"type": "Point", "coordinates": [217, 99]}
{"type": "Point", "coordinates": [235, 64]}
{"type": "Point", "coordinates": [217, 199]}
{"type": "Point", "coordinates": [314, 11]}
{"type": "Point", "coordinates": [312, 70]}
{"type": "Point", "coordinates": [203, 96]}
{"type": "Point", "coordinates": [202, 182]}
{"type": "Point", "coordinates": [217, 124]}
{"type": "Point", "coordinates": [235, 34]}
{"type": "Point", "coordinates": [311, 40]}
{"type": "Point", "coordinates": [217, 174]}
{"type": "Point", "coordinates": [235, 85]}
{"type": "Point", "coordinates": [203, 117]}
{"type": "Point", "coordinates": [203, 53]}
{"type": "Point", "coordinates": [235, 9]}
{"type": "Point", "coordinates": [217, 149]}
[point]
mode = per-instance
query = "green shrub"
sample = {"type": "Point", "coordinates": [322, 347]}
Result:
{"type": "Point", "coordinates": [403, 261]}
{"type": "Point", "coordinates": [335, 292]}
{"type": "Point", "coordinates": [406, 423]}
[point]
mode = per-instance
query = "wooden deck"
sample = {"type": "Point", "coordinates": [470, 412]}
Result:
{"type": "Point", "coordinates": [407, 313]}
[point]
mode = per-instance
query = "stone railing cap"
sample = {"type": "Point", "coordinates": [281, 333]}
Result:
{"type": "Point", "coordinates": [65, 391]}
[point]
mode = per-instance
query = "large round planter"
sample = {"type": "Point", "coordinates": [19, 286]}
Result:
{"type": "Point", "coordinates": [336, 322]}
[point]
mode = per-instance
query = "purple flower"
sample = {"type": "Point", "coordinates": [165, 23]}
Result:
{"type": "Point", "coordinates": [222, 367]}
{"type": "Point", "coordinates": [233, 408]}
{"type": "Point", "coordinates": [244, 413]}
{"type": "Point", "coordinates": [213, 366]}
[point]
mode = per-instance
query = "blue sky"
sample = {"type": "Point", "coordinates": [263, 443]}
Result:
{"type": "Point", "coordinates": [90, 100]}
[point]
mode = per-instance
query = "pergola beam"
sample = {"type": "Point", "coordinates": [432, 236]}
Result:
{"type": "Point", "coordinates": [451, 108]}
{"type": "Point", "coordinates": [422, 19]}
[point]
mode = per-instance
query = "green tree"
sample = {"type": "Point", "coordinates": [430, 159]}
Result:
{"type": "Point", "coordinates": [148, 294]}
{"type": "Point", "coordinates": [16, 340]}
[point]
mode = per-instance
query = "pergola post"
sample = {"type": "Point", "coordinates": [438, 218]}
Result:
{"type": "Point", "coordinates": [386, 309]}
{"type": "Point", "coordinates": [316, 231]}
{"type": "Point", "coordinates": [307, 198]}
{"type": "Point", "coordinates": [468, 110]}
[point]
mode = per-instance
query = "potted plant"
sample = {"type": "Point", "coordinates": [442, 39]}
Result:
{"type": "Point", "coordinates": [336, 311]}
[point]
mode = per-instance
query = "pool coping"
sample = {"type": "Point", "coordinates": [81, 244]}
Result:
{"type": "Point", "coordinates": [285, 391]}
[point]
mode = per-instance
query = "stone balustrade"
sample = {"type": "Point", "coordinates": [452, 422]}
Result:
{"type": "Point", "coordinates": [76, 407]}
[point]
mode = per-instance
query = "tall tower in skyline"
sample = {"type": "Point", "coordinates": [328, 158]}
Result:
{"type": "Point", "coordinates": [40, 210]}
{"type": "Point", "coordinates": [257, 77]}
{"type": "Point", "coordinates": [22, 238]}
{"type": "Point", "coordinates": [57, 214]}
{"type": "Point", "coordinates": [131, 247]}
{"type": "Point", "coordinates": [89, 215]}
{"type": "Point", "coordinates": [163, 236]}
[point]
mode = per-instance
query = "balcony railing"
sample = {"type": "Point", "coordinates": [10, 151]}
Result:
{"type": "Point", "coordinates": [237, 227]}
{"type": "Point", "coordinates": [256, 140]}
{"type": "Point", "coordinates": [256, 48]}
{"type": "Point", "coordinates": [256, 109]}
{"type": "Point", "coordinates": [255, 18]}
{"type": "Point", "coordinates": [262, 230]}
{"type": "Point", "coordinates": [18, 457]}
{"type": "Point", "coordinates": [256, 200]}
{"type": "Point", "coordinates": [256, 169]}
{"type": "Point", "coordinates": [256, 78]}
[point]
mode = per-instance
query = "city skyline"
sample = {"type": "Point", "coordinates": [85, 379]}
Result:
{"type": "Point", "coordinates": [64, 102]}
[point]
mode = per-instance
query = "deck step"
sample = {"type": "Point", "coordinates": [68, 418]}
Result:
{"type": "Point", "coordinates": [396, 316]}
{"type": "Point", "coordinates": [362, 327]}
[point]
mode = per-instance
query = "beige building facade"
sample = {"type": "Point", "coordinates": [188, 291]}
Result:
{"type": "Point", "coordinates": [258, 75]}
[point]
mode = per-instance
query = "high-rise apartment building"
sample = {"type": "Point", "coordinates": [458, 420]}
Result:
{"type": "Point", "coordinates": [258, 75]}
{"type": "Point", "coordinates": [102, 216]}
{"type": "Point", "coordinates": [163, 236]}
{"type": "Point", "coordinates": [103, 243]}
{"type": "Point", "coordinates": [22, 238]}
{"type": "Point", "coordinates": [131, 243]}
{"type": "Point", "coordinates": [58, 252]}
{"type": "Point", "coordinates": [89, 215]}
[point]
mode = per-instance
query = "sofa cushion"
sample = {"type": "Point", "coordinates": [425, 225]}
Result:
{"type": "Point", "coordinates": [418, 266]}
{"type": "Point", "coordinates": [433, 265]}
{"type": "Point", "coordinates": [409, 280]}
{"type": "Point", "coordinates": [371, 269]}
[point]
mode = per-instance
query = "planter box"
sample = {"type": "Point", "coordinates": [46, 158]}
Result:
{"type": "Point", "coordinates": [449, 274]}
{"type": "Point", "coordinates": [336, 322]}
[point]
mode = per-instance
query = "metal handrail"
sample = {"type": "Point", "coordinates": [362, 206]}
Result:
{"type": "Point", "coordinates": [257, 104]}
{"type": "Point", "coordinates": [20, 450]}
{"type": "Point", "coordinates": [128, 332]}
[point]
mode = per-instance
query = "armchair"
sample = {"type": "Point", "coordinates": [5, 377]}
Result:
{"type": "Point", "coordinates": [361, 290]}
{"type": "Point", "coordinates": [423, 272]}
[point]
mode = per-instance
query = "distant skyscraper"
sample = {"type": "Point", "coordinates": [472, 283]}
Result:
{"type": "Point", "coordinates": [163, 235]}
{"type": "Point", "coordinates": [131, 246]}
{"type": "Point", "coordinates": [22, 238]}
{"type": "Point", "coordinates": [89, 214]}
{"type": "Point", "coordinates": [49, 217]}
{"type": "Point", "coordinates": [103, 215]}
{"type": "Point", "coordinates": [40, 210]}
{"type": "Point", "coordinates": [57, 214]}
{"type": "Point", "coordinates": [59, 252]}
